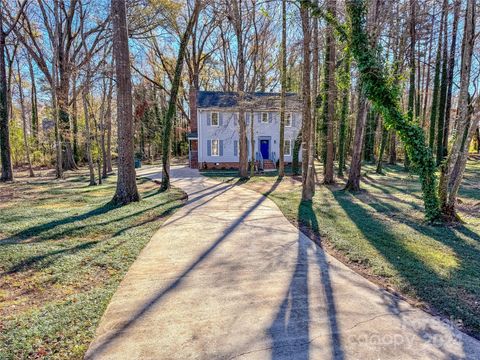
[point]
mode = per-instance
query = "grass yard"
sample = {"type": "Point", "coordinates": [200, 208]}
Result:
{"type": "Point", "coordinates": [63, 252]}
{"type": "Point", "coordinates": [381, 233]}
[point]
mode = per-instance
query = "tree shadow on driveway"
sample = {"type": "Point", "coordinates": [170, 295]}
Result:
{"type": "Point", "coordinates": [157, 298]}
{"type": "Point", "coordinates": [290, 331]}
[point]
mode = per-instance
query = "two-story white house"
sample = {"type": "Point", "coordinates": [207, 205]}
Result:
{"type": "Point", "coordinates": [214, 137]}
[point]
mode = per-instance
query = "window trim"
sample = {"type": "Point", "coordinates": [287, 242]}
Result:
{"type": "Point", "coordinates": [264, 113]}
{"type": "Point", "coordinates": [217, 142]}
{"type": "Point", "coordinates": [218, 118]}
{"type": "Point", "coordinates": [291, 119]}
{"type": "Point", "coordinates": [289, 147]}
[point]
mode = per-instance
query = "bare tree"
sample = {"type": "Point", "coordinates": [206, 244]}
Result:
{"type": "Point", "coordinates": [452, 170]}
{"type": "Point", "coordinates": [172, 104]}
{"type": "Point", "coordinates": [5, 151]}
{"type": "Point", "coordinates": [24, 119]}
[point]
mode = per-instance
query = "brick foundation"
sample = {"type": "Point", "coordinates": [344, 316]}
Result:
{"type": "Point", "coordinates": [222, 165]}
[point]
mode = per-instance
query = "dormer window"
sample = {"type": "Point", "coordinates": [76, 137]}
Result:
{"type": "Point", "coordinates": [264, 117]}
{"type": "Point", "coordinates": [215, 119]}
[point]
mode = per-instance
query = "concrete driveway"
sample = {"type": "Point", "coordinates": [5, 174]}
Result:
{"type": "Point", "coordinates": [228, 277]}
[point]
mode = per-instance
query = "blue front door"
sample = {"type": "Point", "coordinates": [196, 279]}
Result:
{"type": "Point", "coordinates": [264, 147]}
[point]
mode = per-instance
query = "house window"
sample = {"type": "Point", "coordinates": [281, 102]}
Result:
{"type": "Point", "coordinates": [264, 117]}
{"type": "Point", "coordinates": [215, 118]}
{"type": "Point", "coordinates": [288, 119]}
{"type": "Point", "coordinates": [215, 147]}
{"type": "Point", "coordinates": [287, 147]}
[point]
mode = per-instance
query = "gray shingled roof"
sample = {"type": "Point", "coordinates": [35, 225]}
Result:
{"type": "Point", "coordinates": [209, 99]}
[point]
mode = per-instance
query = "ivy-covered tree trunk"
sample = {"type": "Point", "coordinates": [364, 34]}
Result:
{"type": "Point", "coordinates": [380, 92]}
{"type": "Point", "coordinates": [369, 140]}
{"type": "Point", "coordinates": [383, 145]}
{"type": "Point", "coordinates": [172, 103]}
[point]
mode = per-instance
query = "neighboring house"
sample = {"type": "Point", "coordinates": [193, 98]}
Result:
{"type": "Point", "coordinates": [214, 137]}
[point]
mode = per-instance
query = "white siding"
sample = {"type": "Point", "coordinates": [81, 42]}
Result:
{"type": "Point", "coordinates": [228, 132]}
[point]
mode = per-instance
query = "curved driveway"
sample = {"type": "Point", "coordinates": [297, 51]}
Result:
{"type": "Point", "coordinates": [228, 277]}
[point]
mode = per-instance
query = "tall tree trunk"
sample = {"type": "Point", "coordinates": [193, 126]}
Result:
{"type": "Point", "coordinates": [392, 160]}
{"type": "Point", "coordinates": [478, 139]}
{"type": "Point", "coordinates": [33, 100]}
{"type": "Point", "coordinates": [345, 83]}
{"type": "Point", "coordinates": [296, 154]}
{"type": "Point", "coordinates": [330, 103]}
{"type": "Point", "coordinates": [252, 145]}
{"type": "Point", "coordinates": [316, 96]}
{"type": "Point", "coordinates": [24, 120]}
{"type": "Point", "coordinates": [126, 191]}
{"type": "Point", "coordinates": [383, 145]}
{"type": "Point", "coordinates": [427, 80]}
{"type": "Point", "coordinates": [64, 122]}
{"type": "Point", "coordinates": [103, 147]}
{"type": "Point", "coordinates": [88, 139]}
{"type": "Point", "coordinates": [443, 92]}
{"type": "Point", "coordinates": [353, 182]}
{"type": "Point", "coordinates": [412, 69]}
{"type": "Point", "coordinates": [453, 168]}
{"type": "Point", "coordinates": [5, 150]}
{"type": "Point", "coordinates": [172, 104]}
{"type": "Point", "coordinates": [283, 72]}
{"type": "Point", "coordinates": [76, 151]}
{"type": "Point", "coordinates": [436, 84]}
{"type": "Point", "coordinates": [451, 67]}
{"type": "Point", "coordinates": [108, 120]}
{"type": "Point", "coordinates": [308, 180]}
{"type": "Point", "coordinates": [238, 29]}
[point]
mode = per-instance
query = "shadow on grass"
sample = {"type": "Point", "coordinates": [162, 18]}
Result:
{"type": "Point", "coordinates": [37, 230]}
{"type": "Point", "coordinates": [78, 224]}
{"type": "Point", "coordinates": [455, 294]}
{"type": "Point", "coordinates": [48, 258]}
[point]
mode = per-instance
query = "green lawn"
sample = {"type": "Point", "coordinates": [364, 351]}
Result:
{"type": "Point", "coordinates": [63, 252]}
{"type": "Point", "coordinates": [380, 232]}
